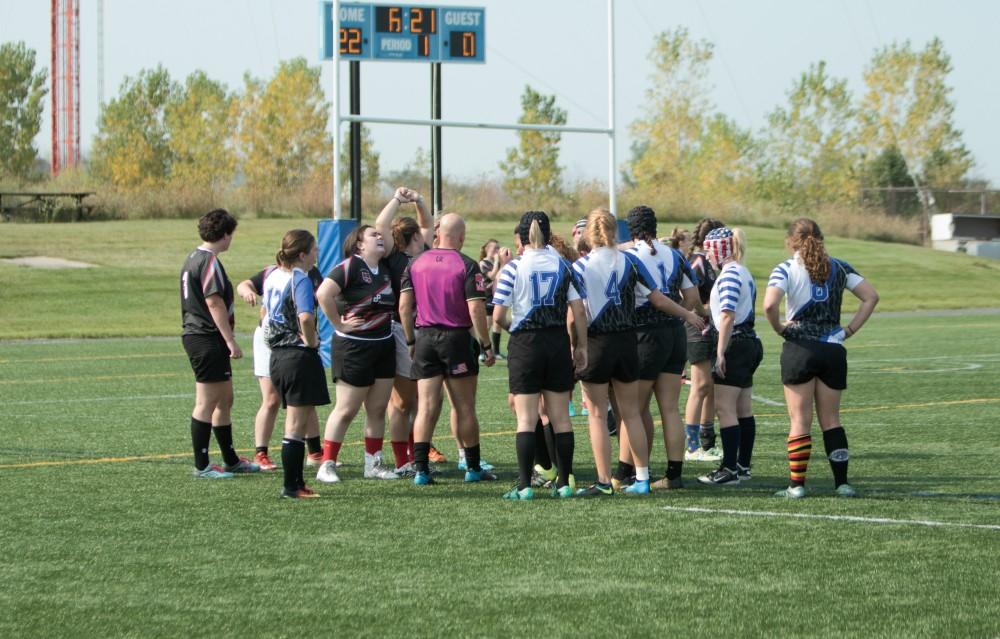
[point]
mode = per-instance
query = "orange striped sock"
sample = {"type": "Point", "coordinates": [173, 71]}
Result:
{"type": "Point", "coordinates": [799, 449]}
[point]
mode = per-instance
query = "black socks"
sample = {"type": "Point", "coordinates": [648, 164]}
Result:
{"type": "Point", "coordinates": [526, 445]}
{"type": "Point", "coordinates": [420, 452]}
{"type": "Point", "coordinates": [201, 436]}
{"type": "Point", "coordinates": [835, 441]}
{"type": "Point", "coordinates": [730, 445]}
{"type": "Point", "coordinates": [224, 437]}
{"type": "Point", "coordinates": [292, 458]}
{"type": "Point", "coordinates": [564, 453]}
{"type": "Point", "coordinates": [748, 432]}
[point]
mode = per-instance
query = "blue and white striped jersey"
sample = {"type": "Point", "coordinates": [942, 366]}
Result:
{"type": "Point", "coordinates": [813, 310]}
{"type": "Point", "coordinates": [735, 291]}
{"type": "Point", "coordinates": [608, 281]}
{"type": "Point", "coordinates": [286, 294]}
{"type": "Point", "coordinates": [669, 270]}
{"type": "Point", "coordinates": [538, 287]}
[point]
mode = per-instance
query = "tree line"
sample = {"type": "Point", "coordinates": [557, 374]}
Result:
{"type": "Point", "coordinates": [820, 148]}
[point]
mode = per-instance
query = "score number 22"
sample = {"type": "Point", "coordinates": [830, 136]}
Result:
{"type": "Point", "coordinates": [350, 41]}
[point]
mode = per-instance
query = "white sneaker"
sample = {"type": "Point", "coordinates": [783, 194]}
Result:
{"type": "Point", "coordinates": [406, 470]}
{"type": "Point", "coordinates": [700, 454]}
{"type": "Point", "coordinates": [328, 472]}
{"type": "Point", "coordinates": [375, 469]}
{"type": "Point", "coordinates": [792, 492]}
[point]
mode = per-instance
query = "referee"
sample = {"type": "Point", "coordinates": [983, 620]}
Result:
{"type": "Point", "coordinates": [443, 294]}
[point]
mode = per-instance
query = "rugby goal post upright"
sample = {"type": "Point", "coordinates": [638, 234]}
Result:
{"type": "Point", "coordinates": [333, 52]}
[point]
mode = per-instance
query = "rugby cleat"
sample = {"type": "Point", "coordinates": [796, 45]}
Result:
{"type": "Point", "coordinates": [639, 487]}
{"type": "Point", "coordinates": [435, 456]}
{"type": "Point", "coordinates": [846, 490]}
{"type": "Point", "coordinates": [668, 484]}
{"type": "Point", "coordinates": [314, 459]}
{"type": "Point", "coordinates": [243, 466]}
{"type": "Point", "coordinates": [265, 463]}
{"type": "Point", "coordinates": [422, 479]}
{"type": "Point", "coordinates": [700, 454]}
{"type": "Point", "coordinates": [462, 465]}
{"type": "Point", "coordinates": [720, 477]}
{"type": "Point", "coordinates": [406, 470]}
{"type": "Point", "coordinates": [743, 472]}
{"type": "Point", "coordinates": [541, 476]}
{"type": "Point", "coordinates": [525, 494]}
{"type": "Point", "coordinates": [792, 492]}
{"type": "Point", "coordinates": [328, 472]}
{"type": "Point", "coordinates": [375, 469]}
{"type": "Point", "coordinates": [563, 493]}
{"type": "Point", "coordinates": [596, 490]}
{"type": "Point", "coordinates": [479, 475]}
{"type": "Point", "coordinates": [299, 493]}
{"type": "Point", "coordinates": [212, 472]}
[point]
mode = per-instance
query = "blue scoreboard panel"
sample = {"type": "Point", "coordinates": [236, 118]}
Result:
{"type": "Point", "coordinates": [405, 33]}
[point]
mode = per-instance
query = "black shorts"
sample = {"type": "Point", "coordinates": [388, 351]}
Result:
{"type": "Point", "coordinates": [742, 359]}
{"type": "Point", "coordinates": [662, 349]}
{"type": "Point", "coordinates": [451, 352]}
{"type": "Point", "coordinates": [611, 356]}
{"type": "Point", "coordinates": [701, 351]}
{"type": "Point", "coordinates": [297, 375]}
{"type": "Point", "coordinates": [802, 360]}
{"type": "Point", "coordinates": [209, 357]}
{"type": "Point", "coordinates": [540, 360]}
{"type": "Point", "coordinates": [359, 362]}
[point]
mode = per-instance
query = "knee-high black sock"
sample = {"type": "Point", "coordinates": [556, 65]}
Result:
{"type": "Point", "coordinates": [730, 445]}
{"type": "Point", "coordinates": [201, 436]}
{"type": "Point", "coordinates": [525, 443]}
{"type": "Point", "coordinates": [472, 457]}
{"type": "Point", "coordinates": [315, 444]}
{"type": "Point", "coordinates": [748, 432]}
{"type": "Point", "coordinates": [624, 470]}
{"type": "Point", "coordinates": [495, 338]}
{"type": "Point", "coordinates": [542, 457]}
{"type": "Point", "coordinates": [550, 444]}
{"type": "Point", "coordinates": [420, 452]}
{"type": "Point", "coordinates": [674, 469]}
{"type": "Point", "coordinates": [292, 457]}
{"type": "Point", "coordinates": [564, 451]}
{"type": "Point", "coordinates": [835, 441]}
{"type": "Point", "coordinates": [224, 437]}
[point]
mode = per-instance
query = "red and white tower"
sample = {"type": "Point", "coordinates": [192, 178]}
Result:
{"type": "Point", "coordinates": [65, 84]}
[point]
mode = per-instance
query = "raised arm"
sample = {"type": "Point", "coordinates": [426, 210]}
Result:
{"type": "Point", "coordinates": [383, 223]}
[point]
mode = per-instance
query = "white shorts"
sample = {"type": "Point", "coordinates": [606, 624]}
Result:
{"type": "Point", "coordinates": [403, 361]}
{"type": "Point", "coordinates": [261, 354]}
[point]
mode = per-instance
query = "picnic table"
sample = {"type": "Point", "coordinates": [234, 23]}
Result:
{"type": "Point", "coordinates": [45, 203]}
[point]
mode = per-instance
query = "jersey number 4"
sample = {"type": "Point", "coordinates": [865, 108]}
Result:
{"type": "Point", "coordinates": [546, 280]}
{"type": "Point", "coordinates": [611, 290]}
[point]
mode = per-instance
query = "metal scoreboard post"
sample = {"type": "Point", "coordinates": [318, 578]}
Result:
{"type": "Point", "coordinates": [405, 33]}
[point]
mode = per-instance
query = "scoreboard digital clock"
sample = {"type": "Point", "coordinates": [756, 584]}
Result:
{"type": "Point", "coordinates": [405, 33]}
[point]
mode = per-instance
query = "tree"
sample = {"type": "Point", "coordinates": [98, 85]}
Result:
{"type": "Point", "coordinates": [908, 105]}
{"type": "Point", "coordinates": [282, 134]}
{"type": "Point", "coordinates": [22, 90]}
{"type": "Point", "coordinates": [131, 149]}
{"type": "Point", "coordinates": [683, 152]}
{"type": "Point", "coordinates": [200, 121]}
{"type": "Point", "coordinates": [370, 170]}
{"type": "Point", "coordinates": [811, 143]}
{"type": "Point", "coordinates": [532, 174]}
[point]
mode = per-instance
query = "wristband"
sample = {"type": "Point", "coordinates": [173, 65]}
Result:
{"type": "Point", "coordinates": [411, 342]}
{"type": "Point", "coordinates": [486, 347]}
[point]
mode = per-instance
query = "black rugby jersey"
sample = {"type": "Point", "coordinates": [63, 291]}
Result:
{"type": "Point", "coordinates": [706, 275]}
{"type": "Point", "coordinates": [538, 286]}
{"type": "Point", "coordinates": [201, 277]}
{"type": "Point", "coordinates": [671, 273]}
{"type": "Point", "coordinates": [398, 261]}
{"type": "Point", "coordinates": [607, 280]}
{"type": "Point", "coordinates": [366, 294]}
{"type": "Point", "coordinates": [813, 310]}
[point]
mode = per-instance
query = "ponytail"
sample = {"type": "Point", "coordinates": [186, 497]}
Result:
{"type": "Point", "coordinates": [739, 245]}
{"type": "Point", "coordinates": [536, 239]}
{"type": "Point", "coordinates": [805, 236]}
{"type": "Point", "coordinates": [294, 243]}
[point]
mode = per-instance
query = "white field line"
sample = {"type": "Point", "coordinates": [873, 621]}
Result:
{"type": "Point", "coordinates": [764, 400]}
{"type": "Point", "coordinates": [848, 518]}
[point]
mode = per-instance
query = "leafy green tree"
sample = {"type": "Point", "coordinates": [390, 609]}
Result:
{"type": "Point", "coordinates": [370, 169]}
{"type": "Point", "coordinates": [22, 90]}
{"type": "Point", "coordinates": [811, 143]}
{"type": "Point", "coordinates": [200, 120]}
{"type": "Point", "coordinates": [908, 104]}
{"type": "Point", "coordinates": [532, 175]}
{"type": "Point", "coordinates": [131, 149]}
{"type": "Point", "coordinates": [282, 134]}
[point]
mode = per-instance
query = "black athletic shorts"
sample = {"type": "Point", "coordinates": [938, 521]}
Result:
{"type": "Point", "coordinates": [700, 351]}
{"type": "Point", "coordinates": [540, 360]}
{"type": "Point", "coordinates": [209, 357]}
{"type": "Point", "coordinates": [359, 362]}
{"type": "Point", "coordinates": [742, 359]}
{"type": "Point", "coordinates": [298, 377]}
{"type": "Point", "coordinates": [611, 356]}
{"type": "Point", "coordinates": [662, 349]}
{"type": "Point", "coordinates": [802, 360]}
{"type": "Point", "coordinates": [444, 351]}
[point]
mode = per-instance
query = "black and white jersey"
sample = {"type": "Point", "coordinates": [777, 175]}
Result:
{"type": "Point", "coordinates": [735, 292]}
{"type": "Point", "coordinates": [813, 310]}
{"type": "Point", "coordinates": [286, 295]}
{"type": "Point", "coordinates": [366, 293]}
{"type": "Point", "coordinates": [668, 268]}
{"type": "Point", "coordinates": [397, 261]}
{"type": "Point", "coordinates": [538, 287]}
{"type": "Point", "coordinates": [608, 281]}
{"type": "Point", "coordinates": [201, 277]}
{"type": "Point", "coordinates": [257, 281]}
{"type": "Point", "coordinates": [706, 275]}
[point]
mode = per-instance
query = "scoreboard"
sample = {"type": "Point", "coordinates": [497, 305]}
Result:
{"type": "Point", "coordinates": [414, 33]}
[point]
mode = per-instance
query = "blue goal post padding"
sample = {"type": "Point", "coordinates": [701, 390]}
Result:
{"type": "Point", "coordinates": [623, 234]}
{"type": "Point", "coordinates": [330, 238]}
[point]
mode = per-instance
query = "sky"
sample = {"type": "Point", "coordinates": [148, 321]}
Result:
{"type": "Point", "coordinates": [557, 46]}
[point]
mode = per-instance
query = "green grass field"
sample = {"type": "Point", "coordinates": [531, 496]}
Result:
{"type": "Point", "coordinates": [105, 533]}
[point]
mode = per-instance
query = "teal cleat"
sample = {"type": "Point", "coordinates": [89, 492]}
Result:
{"type": "Point", "coordinates": [524, 494]}
{"type": "Point", "coordinates": [563, 493]}
{"type": "Point", "coordinates": [462, 465]}
{"type": "Point", "coordinates": [846, 490]}
{"type": "Point", "coordinates": [422, 479]}
{"type": "Point", "coordinates": [479, 475]}
{"type": "Point", "coordinates": [212, 472]}
{"type": "Point", "coordinates": [640, 487]}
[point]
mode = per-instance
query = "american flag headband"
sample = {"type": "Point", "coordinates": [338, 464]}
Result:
{"type": "Point", "coordinates": [719, 244]}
